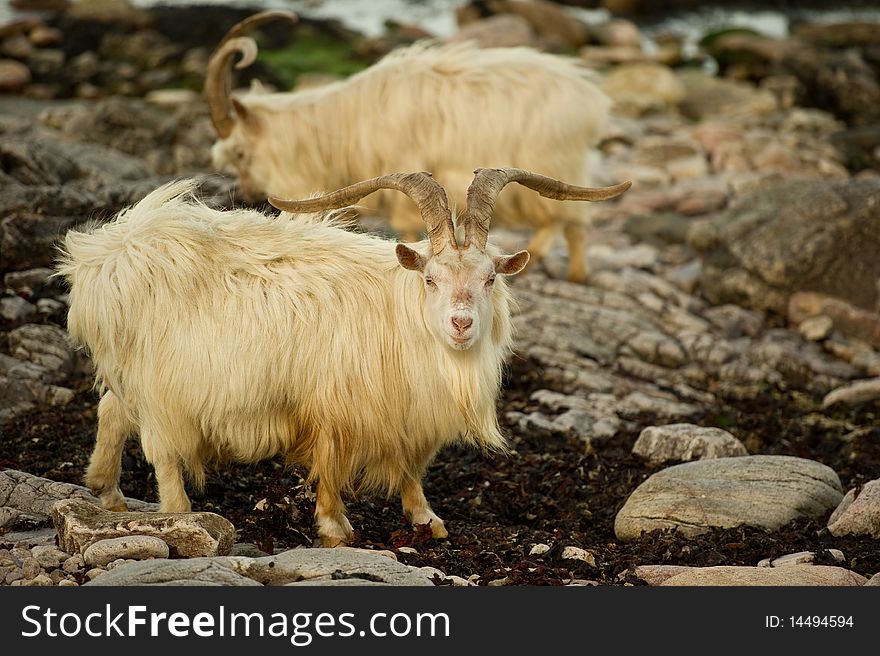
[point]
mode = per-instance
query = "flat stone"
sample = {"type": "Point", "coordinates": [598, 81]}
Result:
{"type": "Point", "coordinates": [80, 524]}
{"type": "Point", "coordinates": [640, 402]}
{"type": "Point", "coordinates": [858, 514]}
{"type": "Point", "coordinates": [135, 547]}
{"type": "Point", "coordinates": [800, 558]}
{"type": "Point", "coordinates": [190, 572]}
{"type": "Point", "coordinates": [32, 497]}
{"type": "Point", "coordinates": [796, 575]}
{"type": "Point", "coordinates": [74, 564]}
{"type": "Point", "coordinates": [762, 491]}
{"type": "Point", "coordinates": [329, 564]}
{"type": "Point", "coordinates": [874, 581]}
{"type": "Point", "coordinates": [657, 574]}
{"type": "Point", "coordinates": [682, 442]}
{"type": "Point", "coordinates": [44, 345]}
{"type": "Point", "coordinates": [340, 566]}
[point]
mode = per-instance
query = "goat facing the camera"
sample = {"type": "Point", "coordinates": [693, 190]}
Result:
{"type": "Point", "coordinates": [236, 336]}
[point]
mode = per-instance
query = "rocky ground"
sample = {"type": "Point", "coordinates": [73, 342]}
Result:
{"type": "Point", "coordinates": [704, 410]}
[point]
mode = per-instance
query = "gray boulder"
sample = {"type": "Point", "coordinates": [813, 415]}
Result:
{"type": "Point", "coordinates": [763, 491]}
{"type": "Point", "coordinates": [798, 235]}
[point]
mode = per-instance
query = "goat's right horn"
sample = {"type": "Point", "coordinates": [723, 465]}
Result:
{"type": "Point", "coordinates": [421, 187]}
{"type": "Point", "coordinates": [488, 183]}
{"type": "Point", "coordinates": [218, 82]}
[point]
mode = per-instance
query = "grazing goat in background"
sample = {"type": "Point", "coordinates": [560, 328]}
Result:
{"type": "Point", "coordinates": [237, 336]}
{"type": "Point", "coordinates": [447, 109]}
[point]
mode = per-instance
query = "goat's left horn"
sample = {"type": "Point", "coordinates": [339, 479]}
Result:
{"type": "Point", "coordinates": [421, 187]}
{"type": "Point", "coordinates": [218, 85]}
{"type": "Point", "coordinates": [251, 22]}
{"type": "Point", "coordinates": [218, 80]}
{"type": "Point", "coordinates": [488, 183]}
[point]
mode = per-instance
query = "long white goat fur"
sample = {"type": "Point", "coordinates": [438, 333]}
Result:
{"type": "Point", "coordinates": [441, 108]}
{"type": "Point", "coordinates": [237, 336]}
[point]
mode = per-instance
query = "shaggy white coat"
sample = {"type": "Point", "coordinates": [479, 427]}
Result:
{"type": "Point", "coordinates": [447, 109]}
{"type": "Point", "coordinates": [237, 336]}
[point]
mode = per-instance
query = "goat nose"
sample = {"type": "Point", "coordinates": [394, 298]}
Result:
{"type": "Point", "coordinates": [462, 323]}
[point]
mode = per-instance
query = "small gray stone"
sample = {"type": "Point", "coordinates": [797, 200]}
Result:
{"type": "Point", "coordinates": [48, 306]}
{"type": "Point", "coordinates": [41, 580]}
{"type": "Point", "coordinates": [763, 491]}
{"type": "Point", "coordinates": [25, 281]}
{"type": "Point", "coordinates": [49, 557]}
{"type": "Point", "coordinates": [638, 402]}
{"type": "Point", "coordinates": [74, 564]}
{"type": "Point", "coordinates": [576, 553]}
{"type": "Point", "coordinates": [15, 308]}
{"type": "Point", "coordinates": [860, 514]}
{"type": "Point", "coordinates": [682, 442]}
{"type": "Point", "coordinates": [539, 549]}
{"type": "Point", "coordinates": [247, 549]}
{"type": "Point", "coordinates": [30, 568]}
{"type": "Point", "coordinates": [14, 575]}
{"type": "Point", "coordinates": [816, 329]}
{"type": "Point", "coordinates": [134, 547]}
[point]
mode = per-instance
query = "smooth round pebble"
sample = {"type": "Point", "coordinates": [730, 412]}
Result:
{"type": "Point", "coordinates": [134, 547]}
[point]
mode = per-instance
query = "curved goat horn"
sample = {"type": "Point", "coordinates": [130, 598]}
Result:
{"type": "Point", "coordinates": [218, 82]}
{"type": "Point", "coordinates": [218, 85]}
{"type": "Point", "coordinates": [488, 183]}
{"type": "Point", "coordinates": [252, 21]}
{"type": "Point", "coordinates": [421, 187]}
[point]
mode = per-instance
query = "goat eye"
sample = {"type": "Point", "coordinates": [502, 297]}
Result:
{"type": "Point", "coordinates": [490, 281]}
{"type": "Point", "coordinates": [430, 283]}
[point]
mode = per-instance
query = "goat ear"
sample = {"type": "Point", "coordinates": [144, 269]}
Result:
{"type": "Point", "coordinates": [410, 259]}
{"type": "Point", "coordinates": [510, 265]}
{"type": "Point", "coordinates": [246, 116]}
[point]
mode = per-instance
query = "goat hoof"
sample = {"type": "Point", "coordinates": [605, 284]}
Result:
{"type": "Point", "coordinates": [438, 530]}
{"type": "Point", "coordinates": [333, 542]}
{"type": "Point", "coordinates": [112, 501]}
